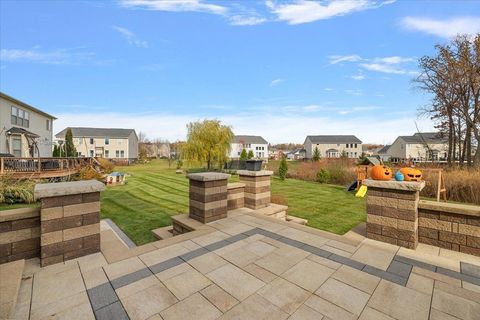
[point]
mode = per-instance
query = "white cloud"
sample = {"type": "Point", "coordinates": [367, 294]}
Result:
{"type": "Point", "coordinates": [312, 108]}
{"type": "Point", "coordinates": [328, 89]}
{"type": "Point", "coordinates": [393, 60]}
{"type": "Point", "coordinates": [59, 56]}
{"type": "Point", "coordinates": [275, 128]}
{"type": "Point", "coordinates": [303, 11]}
{"type": "Point", "coordinates": [349, 58]}
{"type": "Point", "coordinates": [241, 20]}
{"type": "Point", "coordinates": [276, 82]}
{"type": "Point", "coordinates": [358, 77]}
{"type": "Point", "coordinates": [446, 28]}
{"type": "Point", "coordinates": [175, 5]}
{"type": "Point", "coordinates": [130, 37]}
{"type": "Point", "coordinates": [387, 68]}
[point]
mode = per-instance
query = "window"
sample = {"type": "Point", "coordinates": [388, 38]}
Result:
{"type": "Point", "coordinates": [20, 117]}
{"type": "Point", "coordinates": [91, 153]}
{"type": "Point", "coordinates": [17, 146]}
{"type": "Point", "coordinates": [107, 154]}
{"type": "Point", "coordinates": [49, 125]}
{"type": "Point", "coordinates": [355, 145]}
{"type": "Point", "coordinates": [238, 152]}
{"type": "Point", "coordinates": [117, 154]}
{"type": "Point", "coordinates": [107, 141]}
{"type": "Point", "coordinates": [79, 141]}
{"type": "Point", "coordinates": [79, 154]}
{"type": "Point", "coordinates": [91, 140]}
{"type": "Point", "coordinates": [122, 154]}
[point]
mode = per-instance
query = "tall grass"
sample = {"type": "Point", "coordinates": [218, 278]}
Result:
{"type": "Point", "coordinates": [16, 191]}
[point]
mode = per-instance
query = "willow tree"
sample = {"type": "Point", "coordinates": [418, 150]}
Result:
{"type": "Point", "coordinates": [208, 141]}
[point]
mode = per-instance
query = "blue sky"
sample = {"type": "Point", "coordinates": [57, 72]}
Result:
{"type": "Point", "coordinates": [281, 69]}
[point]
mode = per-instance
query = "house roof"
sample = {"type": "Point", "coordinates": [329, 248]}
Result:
{"type": "Point", "coordinates": [384, 149]}
{"type": "Point", "coordinates": [422, 137]}
{"type": "Point", "coordinates": [25, 105]}
{"type": "Point", "coordinates": [16, 130]}
{"type": "Point", "coordinates": [97, 132]}
{"type": "Point", "coordinates": [334, 139]}
{"type": "Point", "coordinates": [249, 139]}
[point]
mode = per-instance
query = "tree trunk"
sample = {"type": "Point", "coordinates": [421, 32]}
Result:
{"type": "Point", "coordinates": [468, 144]}
{"type": "Point", "coordinates": [451, 140]}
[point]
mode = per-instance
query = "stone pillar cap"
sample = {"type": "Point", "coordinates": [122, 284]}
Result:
{"type": "Point", "coordinates": [395, 185]}
{"type": "Point", "coordinates": [208, 176]}
{"type": "Point", "coordinates": [254, 173]}
{"type": "Point", "coordinates": [47, 190]}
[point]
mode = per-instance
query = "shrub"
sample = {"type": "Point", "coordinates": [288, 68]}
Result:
{"type": "Point", "coordinates": [179, 164]}
{"type": "Point", "coordinates": [339, 174]}
{"type": "Point", "coordinates": [243, 155]}
{"type": "Point", "coordinates": [16, 191]}
{"type": "Point", "coordinates": [282, 169]}
{"type": "Point", "coordinates": [250, 155]}
{"type": "Point", "coordinates": [106, 165]}
{"type": "Point", "coordinates": [323, 176]}
{"type": "Point", "coordinates": [89, 173]}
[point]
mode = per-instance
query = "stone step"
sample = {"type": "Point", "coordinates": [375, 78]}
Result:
{"type": "Point", "coordinates": [297, 220]}
{"type": "Point", "coordinates": [163, 233]}
{"type": "Point", "coordinates": [274, 210]}
{"type": "Point", "coordinates": [10, 280]}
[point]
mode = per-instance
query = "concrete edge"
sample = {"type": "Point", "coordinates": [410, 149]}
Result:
{"type": "Point", "coordinates": [456, 208]}
{"type": "Point", "coordinates": [120, 233]}
{"type": "Point", "coordinates": [208, 176]}
{"type": "Point", "coordinates": [47, 190]}
{"type": "Point", "coordinates": [19, 213]}
{"type": "Point", "coordinates": [254, 173]}
{"type": "Point", "coordinates": [395, 185]}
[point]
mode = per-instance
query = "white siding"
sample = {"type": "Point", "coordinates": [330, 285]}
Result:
{"type": "Point", "coordinates": [260, 151]}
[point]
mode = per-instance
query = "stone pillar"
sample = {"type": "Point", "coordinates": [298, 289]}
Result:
{"type": "Point", "coordinates": [235, 195]}
{"type": "Point", "coordinates": [208, 196]}
{"type": "Point", "coordinates": [392, 211]}
{"type": "Point", "coordinates": [69, 220]}
{"type": "Point", "coordinates": [257, 188]}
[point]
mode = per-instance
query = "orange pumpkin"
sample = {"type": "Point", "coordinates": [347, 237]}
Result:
{"type": "Point", "coordinates": [381, 172]}
{"type": "Point", "coordinates": [411, 174]}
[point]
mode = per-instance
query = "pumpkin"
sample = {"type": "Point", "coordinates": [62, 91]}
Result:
{"type": "Point", "coordinates": [411, 174]}
{"type": "Point", "coordinates": [399, 176]}
{"type": "Point", "coordinates": [381, 172]}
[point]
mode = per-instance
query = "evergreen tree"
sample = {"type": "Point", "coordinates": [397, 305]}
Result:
{"type": "Point", "coordinates": [56, 150]}
{"type": "Point", "coordinates": [316, 155]}
{"type": "Point", "coordinates": [69, 146]}
{"type": "Point", "coordinates": [250, 155]}
{"type": "Point", "coordinates": [282, 169]}
{"type": "Point", "coordinates": [243, 155]}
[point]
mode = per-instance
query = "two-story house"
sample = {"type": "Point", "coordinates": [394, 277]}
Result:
{"type": "Point", "coordinates": [422, 146]}
{"type": "Point", "coordinates": [103, 142]}
{"type": "Point", "coordinates": [256, 144]}
{"type": "Point", "coordinates": [333, 146]}
{"type": "Point", "coordinates": [25, 131]}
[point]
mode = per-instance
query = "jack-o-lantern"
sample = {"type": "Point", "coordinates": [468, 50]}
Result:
{"type": "Point", "coordinates": [381, 172]}
{"type": "Point", "coordinates": [411, 174]}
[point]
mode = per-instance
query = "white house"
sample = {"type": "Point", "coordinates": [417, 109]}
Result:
{"type": "Point", "coordinates": [382, 153]}
{"type": "Point", "coordinates": [25, 131]}
{"type": "Point", "coordinates": [256, 144]}
{"type": "Point", "coordinates": [103, 142]}
{"type": "Point", "coordinates": [333, 146]}
{"type": "Point", "coordinates": [426, 146]}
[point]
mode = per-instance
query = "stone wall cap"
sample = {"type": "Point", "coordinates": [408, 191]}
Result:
{"type": "Point", "coordinates": [47, 190]}
{"type": "Point", "coordinates": [395, 185]}
{"type": "Point", "coordinates": [255, 173]}
{"type": "Point", "coordinates": [19, 213]}
{"type": "Point", "coordinates": [457, 208]}
{"type": "Point", "coordinates": [208, 176]}
{"type": "Point", "coordinates": [235, 185]}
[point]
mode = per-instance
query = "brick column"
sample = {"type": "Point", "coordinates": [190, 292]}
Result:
{"type": "Point", "coordinates": [392, 211]}
{"type": "Point", "coordinates": [69, 220]}
{"type": "Point", "coordinates": [236, 195]}
{"type": "Point", "coordinates": [257, 188]}
{"type": "Point", "coordinates": [208, 196]}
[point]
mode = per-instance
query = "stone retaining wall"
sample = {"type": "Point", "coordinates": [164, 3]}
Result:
{"type": "Point", "coordinates": [208, 196]}
{"type": "Point", "coordinates": [19, 234]}
{"type": "Point", "coordinates": [392, 215]}
{"type": "Point", "coordinates": [450, 226]}
{"type": "Point", "coordinates": [69, 220]}
{"type": "Point", "coordinates": [235, 196]}
{"type": "Point", "coordinates": [257, 188]}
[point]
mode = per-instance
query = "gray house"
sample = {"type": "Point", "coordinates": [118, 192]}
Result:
{"type": "Point", "coordinates": [103, 142]}
{"type": "Point", "coordinates": [333, 146]}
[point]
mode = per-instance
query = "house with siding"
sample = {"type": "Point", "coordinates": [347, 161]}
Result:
{"type": "Point", "coordinates": [422, 146]}
{"type": "Point", "coordinates": [25, 131]}
{"type": "Point", "coordinates": [103, 142]}
{"type": "Point", "coordinates": [256, 144]}
{"type": "Point", "coordinates": [333, 146]}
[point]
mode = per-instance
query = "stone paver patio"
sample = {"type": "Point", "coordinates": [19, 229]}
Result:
{"type": "Point", "coordinates": [248, 266]}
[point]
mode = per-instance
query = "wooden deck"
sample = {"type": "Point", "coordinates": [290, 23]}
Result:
{"type": "Point", "coordinates": [41, 168]}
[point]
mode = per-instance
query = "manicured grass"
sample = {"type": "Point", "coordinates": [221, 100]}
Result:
{"type": "Point", "coordinates": [154, 192]}
{"type": "Point", "coordinates": [4, 206]}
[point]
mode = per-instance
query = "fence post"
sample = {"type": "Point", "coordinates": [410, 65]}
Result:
{"type": "Point", "coordinates": [1, 165]}
{"type": "Point", "coordinates": [39, 166]}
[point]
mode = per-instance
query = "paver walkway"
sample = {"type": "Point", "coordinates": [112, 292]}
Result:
{"type": "Point", "coordinates": [253, 267]}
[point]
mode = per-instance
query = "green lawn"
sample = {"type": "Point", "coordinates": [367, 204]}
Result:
{"type": "Point", "coordinates": [154, 193]}
{"type": "Point", "coordinates": [4, 206]}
